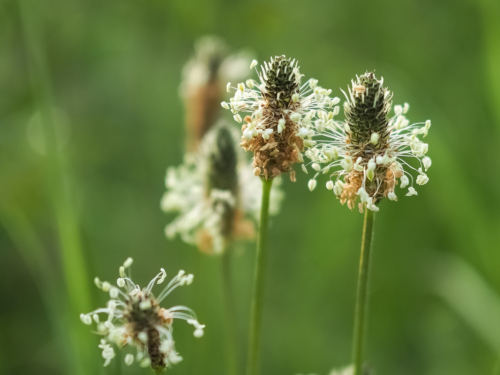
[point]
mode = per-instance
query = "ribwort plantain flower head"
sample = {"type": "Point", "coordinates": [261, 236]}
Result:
{"type": "Point", "coordinates": [215, 194]}
{"type": "Point", "coordinates": [203, 81]}
{"type": "Point", "coordinates": [368, 153]}
{"type": "Point", "coordinates": [135, 319]}
{"type": "Point", "coordinates": [282, 114]}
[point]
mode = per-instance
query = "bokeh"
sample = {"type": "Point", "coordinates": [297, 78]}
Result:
{"type": "Point", "coordinates": [80, 196]}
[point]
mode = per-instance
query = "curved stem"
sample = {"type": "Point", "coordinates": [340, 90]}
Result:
{"type": "Point", "coordinates": [258, 291]}
{"type": "Point", "coordinates": [362, 294]}
{"type": "Point", "coordinates": [230, 326]}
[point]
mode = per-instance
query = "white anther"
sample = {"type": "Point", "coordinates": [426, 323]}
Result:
{"type": "Point", "coordinates": [295, 117]}
{"type": "Point", "coordinates": [266, 133]}
{"type": "Point", "coordinates": [411, 191]}
{"type": "Point", "coordinates": [363, 195]}
{"type": "Point", "coordinates": [424, 148]}
{"type": "Point", "coordinates": [374, 138]}
{"type": "Point", "coordinates": [313, 83]}
{"type": "Point", "coordinates": [128, 262]}
{"type": "Point", "coordinates": [145, 305]}
{"type": "Point", "coordinates": [238, 118]}
{"type": "Point", "coordinates": [97, 282]}
{"type": "Point", "coordinates": [370, 205]}
{"type": "Point", "coordinates": [303, 132]}
{"type": "Point", "coordinates": [370, 173]}
{"type": "Point", "coordinates": [120, 282]}
{"type": "Point", "coordinates": [427, 162]}
{"type": "Point", "coordinates": [295, 97]}
{"type": "Point", "coordinates": [422, 178]}
{"type": "Point", "coordinates": [198, 332]}
{"type": "Point", "coordinates": [357, 165]}
{"type": "Point", "coordinates": [129, 359]}
{"type": "Point", "coordinates": [106, 286]}
{"type": "Point", "coordinates": [111, 305]}
{"type": "Point", "coordinates": [224, 105]}
{"type": "Point", "coordinates": [392, 196]}
{"type": "Point", "coordinates": [320, 125]}
{"type": "Point", "coordinates": [228, 87]}
{"type": "Point", "coordinates": [330, 185]}
{"type": "Point", "coordinates": [113, 292]}
{"type": "Point", "coordinates": [404, 181]}
{"type": "Point", "coordinates": [346, 163]}
{"type": "Point", "coordinates": [253, 64]}
{"type": "Point", "coordinates": [162, 277]}
{"type": "Point", "coordinates": [86, 319]}
{"type": "Point", "coordinates": [311, 184]}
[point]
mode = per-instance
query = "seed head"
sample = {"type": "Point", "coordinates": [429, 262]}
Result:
{"type": "Point", "coordinates": [136, 319]}
{"type": "Point", "coordinates": [202, 86]}
{"type": "Point", "coordinates": [215, 194]}
{"type": "Point", "coordinates": [282, 115]}
{"type": "Point", "coordinates": [281, 80]}
{"type": "Point", "coordinates": [369, 147]}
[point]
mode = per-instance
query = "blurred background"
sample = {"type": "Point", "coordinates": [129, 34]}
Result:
{"type": "Point", "coordinates": [91, 117]}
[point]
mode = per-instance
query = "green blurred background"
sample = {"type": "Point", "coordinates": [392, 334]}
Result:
{"type": "Point", "coordinates": [112, 70]}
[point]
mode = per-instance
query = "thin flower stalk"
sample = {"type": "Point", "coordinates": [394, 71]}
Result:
{"type": "Point", "coordinates": [259, 283]}
{"type": "Point", "coordinates": [368, 154]}
{"type": "Point", "coordinates": [361, 309]}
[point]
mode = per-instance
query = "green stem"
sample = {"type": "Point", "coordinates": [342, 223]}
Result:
{"type": "Point", "coordinates": [258, 292]}
{"type": "Point", "coordinates": [59, 186]}
{"type": "Point", "coordinates": [362, 294]}
{"type": "Point", "coordinates": [230, 324]}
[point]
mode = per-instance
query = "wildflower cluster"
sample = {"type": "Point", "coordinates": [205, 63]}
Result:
{"type": "Point", "coordinates": [369, 147]}
{"type": "Point", "coordinates": [135, 319]}
{"type": "Point", "coordinates": [215, 193]}
{"type": "Point", "coordinates": [281, 115]}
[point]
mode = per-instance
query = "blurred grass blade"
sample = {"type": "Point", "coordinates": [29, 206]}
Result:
{"type": "Point", "coordinates": [76, 279]}
{"type": "Point", "coordinates": [466, 292]}
{"type": "Point", "coordinates": [31, 248]}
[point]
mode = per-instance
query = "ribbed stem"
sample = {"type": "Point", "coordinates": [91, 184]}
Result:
{"type": "Point", "coordinates": [362, 294]}
{"type": "Point", "coordinates": [231, 356]}
{"type": "Point", "coordinates": [258, 291]}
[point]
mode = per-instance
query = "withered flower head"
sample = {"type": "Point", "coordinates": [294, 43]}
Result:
{"type": "Point", "coordinates": [202, 86]}
{"type": "Point", "coordinates": [369, 147]}
{"type": "Point", "coordinates": [135, 319]}
{"type": "Point", "coordinates": [215, 193]}
{"type": "Point", "coordinates": [281, 117]}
